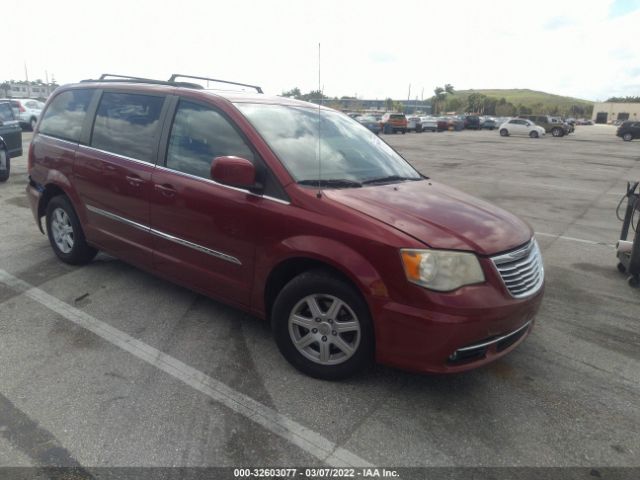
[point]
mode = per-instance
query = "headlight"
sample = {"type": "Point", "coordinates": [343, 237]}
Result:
{"type": "Point", "coordinates": [441, 270]}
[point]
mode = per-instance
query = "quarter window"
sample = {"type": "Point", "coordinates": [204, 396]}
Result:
{"type": "Point", "coordinates": [198, 135]}
{"type": "Point", "coordinates": [65, 115]}
{"type": "Point", "coordinates": [128, 124]}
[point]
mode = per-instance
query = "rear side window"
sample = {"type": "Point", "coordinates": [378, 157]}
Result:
{"type": "Point", "coordinates": [65, 115]}
{"type": "Point", "coordinates": [6, 114]}
{"type": "Point", "coordinates": [198, 135]}
{"type": "Point", "coordinates": [127, 124]}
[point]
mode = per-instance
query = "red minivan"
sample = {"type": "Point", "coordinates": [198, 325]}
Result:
{"type": "Point", "coordinates": [294, 213]}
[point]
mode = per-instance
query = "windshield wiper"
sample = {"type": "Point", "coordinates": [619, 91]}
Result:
{"type": "Point", "coordinates": [389, 179]}
{"type": "Point", "coordinates": [332, 183]}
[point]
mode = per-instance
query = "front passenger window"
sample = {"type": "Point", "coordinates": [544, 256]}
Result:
{"type": "Point", "coordinates": [198, 135]}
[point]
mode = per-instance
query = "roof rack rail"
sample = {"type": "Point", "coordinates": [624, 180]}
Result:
{"type": "Point", "coordinates": [110, 77]}
{"type": "Point", "coordinates": [176, 75]}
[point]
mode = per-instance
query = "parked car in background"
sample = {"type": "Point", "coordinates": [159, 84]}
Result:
{"type": "Point", "coordinates": [414, 124]}
{"type": "Point", "coordinates": [10, 139]}
{"type": "Point", "coordinates": [219, 191]}
{"type": "Point", "coordinates": [471, 122]}
{"type": "Point", "coordinates": [394, 122]}
{"type": "Point", "coordinates": [629, 130]}
{"type": "Point", "coordinates": [555, 127]}
{"type": "Point", "coordinates": [370, 122]}
{"type": "Point", "coordinates": [429, 123]}
{"type": "Point", "coordinates": [521, 126]}
{"type": "Point", "coordinates": [442, 124]}
{"type": "Point", "coordinates": [27, 111]}
{"type": "Point", "coordinates": [489, 123]}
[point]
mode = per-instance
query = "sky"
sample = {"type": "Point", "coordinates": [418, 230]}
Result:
{"type": "Point", "coordinates": [370, 49]}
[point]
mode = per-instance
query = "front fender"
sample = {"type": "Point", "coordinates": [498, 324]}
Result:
{"type": "Point", "coordinates": [338, 255]}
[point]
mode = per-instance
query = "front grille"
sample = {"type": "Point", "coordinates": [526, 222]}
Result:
{"type": "Point", "coordinates": [522, 270]}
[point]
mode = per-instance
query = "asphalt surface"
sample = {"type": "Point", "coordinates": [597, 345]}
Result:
{"type": "Point", "coordinates": [106, 365]}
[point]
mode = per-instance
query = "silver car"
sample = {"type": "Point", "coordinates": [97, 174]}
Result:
{"type": "Point", "coordinates": [429, 123]}
{"type": "Point", "coordinates": [27, 111]}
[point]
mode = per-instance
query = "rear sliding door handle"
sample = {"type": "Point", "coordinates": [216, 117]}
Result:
{"type": "Point", "coordinates": [166, 190]}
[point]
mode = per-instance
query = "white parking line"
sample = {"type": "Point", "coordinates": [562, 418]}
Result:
{"type": "Point", "coordinates": [311, 442]}
{"type": "Point", "coordinates": [573, 239]}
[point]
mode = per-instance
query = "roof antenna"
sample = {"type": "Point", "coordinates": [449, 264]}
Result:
{"type": "Point", "coordinates": [319, 194]}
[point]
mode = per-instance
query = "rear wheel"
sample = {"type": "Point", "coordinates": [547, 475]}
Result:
{"type": "Point", "coordinates": [627, 137]}
{"type": "Point", "coordinates": [65, 233]}
{"type": "Point", "coordinates": [533, 134]}
{"type": "Point", "coordinates": [504, 132]}
{"type": "Point", "coordinates": [557, 132]}
{"type": "Point", "coordinates": [5, 165]}
{"type": "Point", "coordinates": [322, 326]}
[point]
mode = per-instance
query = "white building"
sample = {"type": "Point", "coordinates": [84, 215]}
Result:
{"type": "Point", "coordinates": [23, 90]}
{"type": "Point", "coordinates": [608, 112]}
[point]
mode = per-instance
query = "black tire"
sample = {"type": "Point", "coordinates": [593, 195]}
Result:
{"type": "Point", "coordinates": [404, 130]}
{"type": "Point", "coordinates": [80, 252]}
{"type": "Point", "coordinates": [504, 132]}
{"type": "Point", "coordinates": [533, 134]}
{"type": "Point", "coordinates": [557, 132]}
{"type": "Point", "coordinates": [323, 284]}
{"type": "Point", "coordinates": [5, 165]}
{"type": "Point", "coordinates": [634, 281]}
{"type": "Point", "coordinates": [627, 137]}
{"type": "Point", "coordinates": [621, 267]}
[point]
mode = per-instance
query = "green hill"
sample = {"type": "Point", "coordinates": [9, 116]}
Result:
{"type": "Point", "coordinates": [526, 96]}
{"type": "Point", "coordinates": [535, 101]}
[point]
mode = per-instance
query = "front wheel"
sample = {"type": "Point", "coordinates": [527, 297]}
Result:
{"type": "Point", "coordinates": [322, 326]}
{"type": "Point", "coordinates": [5, 165]}
{"type": "Point", "coordinates": [557, 132]}
{"type": "Point", "coordinates": [627, 137]}
{"type": "Point", "coordinates": [533, 134]}
{"type": "Point", "coordinates": [504, 132]}
{"type": "Point", "coordinates": [65, 233]}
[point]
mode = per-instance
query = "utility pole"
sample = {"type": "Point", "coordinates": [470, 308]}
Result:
{"type": "Point", "coordinates": [26, 75]}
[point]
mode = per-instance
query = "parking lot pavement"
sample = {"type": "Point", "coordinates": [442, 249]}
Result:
{"type": "Point", "coordinates": [106, 365]}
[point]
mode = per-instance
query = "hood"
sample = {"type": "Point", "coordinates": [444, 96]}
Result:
{"type": "Point", "coordinates": [440, 216]}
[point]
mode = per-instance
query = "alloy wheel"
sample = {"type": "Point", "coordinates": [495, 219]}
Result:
{"type": "Point", "coordinates": [62, 230]}
{"type": "Point", "coordinates": [324, 329]}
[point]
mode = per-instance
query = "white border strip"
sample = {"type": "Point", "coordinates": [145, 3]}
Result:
{"type": "Point", "coordinates": [311, 442]}
{"type": "Point", "coordinates": [573, 239]}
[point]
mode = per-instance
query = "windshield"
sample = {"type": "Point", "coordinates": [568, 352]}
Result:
{"type": "Point", "coordinates": [349, 151]}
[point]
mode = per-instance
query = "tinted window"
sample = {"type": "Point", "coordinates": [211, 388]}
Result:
{"type": "Point", "coordinates": [128, 124]}
{"type": "Point", "coordinates": [6, 114]}
{"type": "Point", "coordinates": [65, 115]}
{"type": "Point", "coordinates": [198, 135]}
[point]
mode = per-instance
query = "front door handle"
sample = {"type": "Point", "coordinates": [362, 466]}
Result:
{"type": "Point", "coordinates": [134, 181]}
{"type": "Point", "coordinates": [166, 190]}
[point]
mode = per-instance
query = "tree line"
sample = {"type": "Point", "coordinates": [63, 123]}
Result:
{"type": "Point", "coordinates": [445, 99]}
{"type": "Point", "coordinates": [624, 99]}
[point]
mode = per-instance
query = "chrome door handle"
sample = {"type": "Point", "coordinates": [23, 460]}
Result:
{"type": "Point", "coordinates": [166, 190]}
{"type": "Point", "coordinates": [134, 181]}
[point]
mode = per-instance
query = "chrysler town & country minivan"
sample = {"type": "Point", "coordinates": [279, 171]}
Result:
{"type": "Point", "coordinates": [294, 213]}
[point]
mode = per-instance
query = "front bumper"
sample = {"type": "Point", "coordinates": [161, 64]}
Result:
{"type": "Point", "coordinates": [416, 339]}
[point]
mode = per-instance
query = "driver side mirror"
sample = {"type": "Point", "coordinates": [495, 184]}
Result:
{"type": "Point", "coordinates": [234, 171]}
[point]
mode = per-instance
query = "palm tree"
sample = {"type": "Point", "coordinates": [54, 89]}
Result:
{"type": "Point", "coordinates": [448, 88]}
{"type": "Point", "coordinates": [439, 96]}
